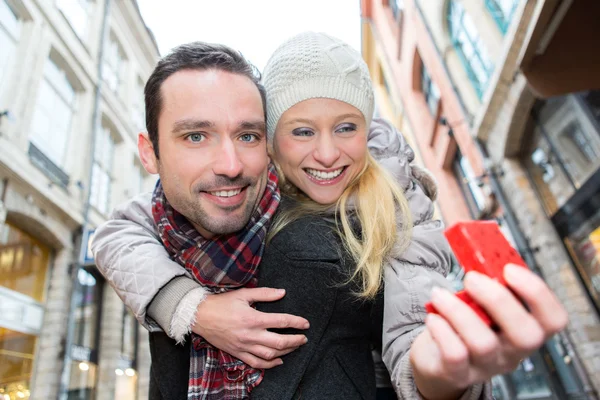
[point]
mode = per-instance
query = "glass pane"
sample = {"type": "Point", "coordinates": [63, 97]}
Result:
{"type": "Point", "coordinates": [577, 152]}
{"type": "Point", "coordinates": [125, 385]}
{"type": "Point", "coordinates": [129, 335]}
{"type": "Point", "coordinates": [23, 263]}
{"type": "Point", "coordinates": [529, 379]}
{"type": "Point", "coordinates": [551, 181]}
{"type": "Point", "coordinates": [76, 12]}
{"type": "Point", "coordinates": [87, 299]}
{"type": "Point", "coordinates": [507, 7]}
{"type": "Point", "coordinates": [585, 243]}
{"type": "Point", "coordinates": [82, 382]}
{"type": "Point", "coordinates": [574, 134]}
{"type": "Point", "coordinates": [592, 101]}
{"type": "Point", "coordinates": [51, 123]}
{"type": "Point", "coordinates": [467, 42]}
{"type": "Point", "coordinates": [16, 362]}
{"type": "Point", "coordinates": [7, 50]}
{"type": "Point", "coordinates": [9, 21]}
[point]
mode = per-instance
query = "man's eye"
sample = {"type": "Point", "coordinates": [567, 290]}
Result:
{"type": "Point", "coordinates": [302, 132]}
{"type": "Point", "coordinates": [248, 137]}
{"type": "Point", "coordinates": [195, 137]}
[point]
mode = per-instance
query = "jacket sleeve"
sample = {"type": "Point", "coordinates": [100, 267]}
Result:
{"type": "Point", "coordinates": [411, 273]}
{"type": "Point", "coordinates": [130, 255]}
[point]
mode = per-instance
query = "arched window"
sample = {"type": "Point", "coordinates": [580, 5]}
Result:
{"type": "Point", "coordinates": [469, 46]}
{"type": "Point", "coordinates": [502, 11]}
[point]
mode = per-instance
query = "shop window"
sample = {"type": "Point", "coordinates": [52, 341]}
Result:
{"type": "Point", "coordinates": [23, 270]}
{"type": "Point", "coordinates": [126, 374]}
{"type": "Point", "coordinates": [84, 350]}
{"type": "Point", "coordinates": [565, 150]}
{"type": "Point", "coordinates": [470, 47]}
{"type": "Point", "coordinates": [502, 11]}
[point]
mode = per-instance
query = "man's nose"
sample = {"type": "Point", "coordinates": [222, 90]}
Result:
{"type": "Point", "coordinates": [326, 151]}
{"type": "Point", "coordinates": [227, 162]}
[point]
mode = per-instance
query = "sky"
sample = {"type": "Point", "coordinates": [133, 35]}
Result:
{"type": "Point", "coordinates": [254, 27]}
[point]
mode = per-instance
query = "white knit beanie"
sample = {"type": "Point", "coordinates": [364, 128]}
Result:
{"type": "Point", "coordinates": [315, 65]}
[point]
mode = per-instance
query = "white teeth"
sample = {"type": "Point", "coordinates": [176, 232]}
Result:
{"type": "Point", "coordinates": [324, 176]}
{"type": "Point", "coordinates": [226, 193]}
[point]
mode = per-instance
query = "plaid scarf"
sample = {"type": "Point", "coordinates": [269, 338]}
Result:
{"type": "Point", "coordinates": [226, 263]}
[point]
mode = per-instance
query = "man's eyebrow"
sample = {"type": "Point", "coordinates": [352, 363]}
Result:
{"type": "Point", "coordinates": [190, 125]}
{"type": "Point", "coordinates": [253, 125]}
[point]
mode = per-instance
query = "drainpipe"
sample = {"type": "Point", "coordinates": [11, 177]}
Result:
{"type": "Point", "coordinates": [66, 374]}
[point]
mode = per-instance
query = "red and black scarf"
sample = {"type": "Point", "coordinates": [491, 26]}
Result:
{"type": "Point", "coordinates": [225, 263]}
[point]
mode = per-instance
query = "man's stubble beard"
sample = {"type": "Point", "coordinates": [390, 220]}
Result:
{"type": "Point", "coordinates": [193, 210]}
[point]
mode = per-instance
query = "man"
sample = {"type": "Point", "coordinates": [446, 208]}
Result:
{"type": "Point", "coordinates": [205, 113]}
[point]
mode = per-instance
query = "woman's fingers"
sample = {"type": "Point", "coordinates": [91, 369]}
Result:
{"type": "Point", "coordinates": [480, 341]}
{"type": "Point", "coordinates": [542, 303]}
{"type": "Point", "coordinates": [454, 355]}
{"type": "Point", "coordinates": [519, 327]}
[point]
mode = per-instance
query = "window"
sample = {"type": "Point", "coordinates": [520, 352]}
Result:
{"type": "Point", "coordinates": [113, 64]}
{"type": "Point", "coordinates": [137, 178]}
{"type": "Point", "coordinates": [101, 170]}
{"type": "Point", "coordinates": [126, 376]}
{"type": "Point", "coordinates": [77, 13]}
{"type": "Point", "coordinates": [138, 115]}
{"type": "Point", "coordinates": [53, 114]}
{"type": "Point", "coordinates": [469, 184]}
{"type": "Point", "coordinates": [469, 46]}
{"type": "Point", "coordinates": [10, 31]}
{"type": "Point", "coordinates": [502, 11]}
{"type": "Point", "coordinates": [84, 351]}
{"type": "Point", "coordinates": [430, 90]}
{"type": "Point", "coordinates": [397, 6]}
{"type": "Point", "coordinates": [565, 149]}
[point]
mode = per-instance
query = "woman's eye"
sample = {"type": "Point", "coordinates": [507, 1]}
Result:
{"type": "Point", "coordinates": [302, 132]}
{"type": "Point", "coordinates": [195, 137]}
{"type": "Point", "coordinates": [249, 137]}
{"type": "Point", "coordinates": [346, 128]}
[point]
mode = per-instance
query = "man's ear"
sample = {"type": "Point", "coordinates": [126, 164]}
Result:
{"type": "Point", "coordinates": [147, 155]}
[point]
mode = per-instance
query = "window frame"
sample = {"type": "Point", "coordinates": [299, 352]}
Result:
{"type": "Point", "coordinates": [456, 16]}
{"type": "Point", "coordinates": [429, 89]}
{"type": "Point", "coordinates": [502, 20]}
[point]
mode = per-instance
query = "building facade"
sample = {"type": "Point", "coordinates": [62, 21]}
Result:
{"type": "Point", "coordinates": [71, 104]}
{"type": "Point", "coordinates": [509, 125]}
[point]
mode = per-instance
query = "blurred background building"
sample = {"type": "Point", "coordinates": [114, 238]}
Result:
{"type": "Point", "coordinates": [71, 103]}
{"type": "Point", "coordinates": [500, 99]}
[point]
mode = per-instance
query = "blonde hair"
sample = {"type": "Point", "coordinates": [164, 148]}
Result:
{"type": "Point", "coordinates": [381, 210]}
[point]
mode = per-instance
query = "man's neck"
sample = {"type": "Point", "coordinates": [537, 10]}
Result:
{"type": "Point", "coordinates": [205, 234]}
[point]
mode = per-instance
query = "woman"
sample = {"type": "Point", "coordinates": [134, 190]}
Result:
{"type": "Point", "coordinates": [320, 104]}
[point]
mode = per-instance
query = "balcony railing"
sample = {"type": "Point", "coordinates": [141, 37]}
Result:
{"type": "Point", "coordinates": [47, 166]}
